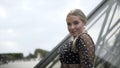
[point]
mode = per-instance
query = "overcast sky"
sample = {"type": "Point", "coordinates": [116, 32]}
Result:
{"type": "Point", "coordinates": [29, 24]}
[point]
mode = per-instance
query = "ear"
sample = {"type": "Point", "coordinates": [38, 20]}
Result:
{"type": "Point", "coordinates": [84, 23]}
{"type": "Point", "coordinates": [84, 29]}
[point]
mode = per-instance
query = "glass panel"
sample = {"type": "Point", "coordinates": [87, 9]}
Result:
{"type": "Point", "coordinates": [105, 30]}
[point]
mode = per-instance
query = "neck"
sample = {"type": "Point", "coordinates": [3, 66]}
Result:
{"type": "Point", "coordinates": [84, 31]}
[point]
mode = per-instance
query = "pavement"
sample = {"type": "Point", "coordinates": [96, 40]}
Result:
{"type": "Point", "coordinates": [20, 64]}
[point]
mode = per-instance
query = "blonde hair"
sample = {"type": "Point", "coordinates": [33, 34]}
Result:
{"type": "Point", "coordinates": [81, 15]}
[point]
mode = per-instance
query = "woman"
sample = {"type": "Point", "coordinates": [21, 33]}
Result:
{"type": "Point", "coordinates": [80, 52]}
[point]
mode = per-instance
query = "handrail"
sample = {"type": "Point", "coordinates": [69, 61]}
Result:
{"type": "Point", "coordinates": [96, 9]}
{"type": "Point", "coordinates": [46, 60]}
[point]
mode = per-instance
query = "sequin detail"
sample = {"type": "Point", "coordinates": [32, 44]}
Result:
{"type": "Point", "coordinates": [84, 52]}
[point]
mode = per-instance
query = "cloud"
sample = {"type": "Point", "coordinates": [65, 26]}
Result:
{"type": "Point", "coordinates": [3, 12]}
{"type": "Point", "coordinates": [8, 46]}
{"type": "Point", "coordinates": [8, 33]}
{"type": "Point", "coordinates": [8, 43]}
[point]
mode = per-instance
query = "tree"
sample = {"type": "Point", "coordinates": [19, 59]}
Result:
{"type": "Point", "coordinates": [42, 52]}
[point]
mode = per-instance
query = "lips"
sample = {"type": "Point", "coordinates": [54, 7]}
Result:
{"type": "Point", "coordinates": [73, 32]}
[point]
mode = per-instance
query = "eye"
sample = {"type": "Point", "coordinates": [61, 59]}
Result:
{"type": "Point", "coordinates": [76, 22]}
{"type": "Point", "coordinates": [68, 24]}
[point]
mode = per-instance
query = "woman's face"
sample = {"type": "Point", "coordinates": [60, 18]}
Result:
{"type": "Point", "coordinates": [75, 25]}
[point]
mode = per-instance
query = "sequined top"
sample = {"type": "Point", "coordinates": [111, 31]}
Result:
{"type": "Point", "coordinates": [84, 55]}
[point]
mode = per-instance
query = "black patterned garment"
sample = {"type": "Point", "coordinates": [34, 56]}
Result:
{"type": "Point", "coordinates": [83, 57]}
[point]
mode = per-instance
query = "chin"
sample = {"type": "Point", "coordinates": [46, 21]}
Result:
{"type": "Point", "coordinates": [74, 36]}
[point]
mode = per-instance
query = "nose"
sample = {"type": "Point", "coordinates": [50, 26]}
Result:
{"type": "Point", "coordinates": [72, 26]}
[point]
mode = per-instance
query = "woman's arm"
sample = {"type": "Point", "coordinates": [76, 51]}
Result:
{"type": "Point", "coordinates": [86, 50]}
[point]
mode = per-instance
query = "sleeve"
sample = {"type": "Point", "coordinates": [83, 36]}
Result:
{"type": "Point", "coordinates": [86, 51]}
